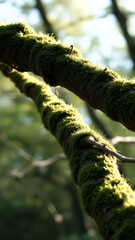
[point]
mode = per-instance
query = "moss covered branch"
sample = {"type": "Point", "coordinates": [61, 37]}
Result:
{"type": "Point", "coordinates": [24, 49]}
{"type": "Point", "coordinates": [104, 193]}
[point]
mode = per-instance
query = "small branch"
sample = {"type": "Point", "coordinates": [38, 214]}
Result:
{"type": "Point", "coordinates": [34, 163]}
{"type": "Point", "coordinates": [122, 21]}
{"type": "Point", "coordinates": [49, 161]}
{"type": "Point", "coordinates": [120, 139]}
{"type": "Point", "coordinates": [19, 151]}
{"type": "Point", "coordinates": [57, 217]}
{"type": "Point", "coordinates": [48, 26]}
{"type": "Point", "coordinates": [91, 141]}
{"type": "Point", "coordinates": [20, 174]}
{"type": "Point", "coordinates": [10, 95]}
{"type": "Point", "coordinates": [98, 121]}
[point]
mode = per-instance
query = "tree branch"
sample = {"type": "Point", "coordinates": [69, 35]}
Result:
{"type": "Point", "coordinates": [119, 139]}
{"type": "Point", "coordinates": [23, 154]}
{"type": "Point", "coordinates": [104, 193]}
{"type": "Point", "coordinates": [48, 27]}
{"type": "Point", "coordinates": [101, 88]}
{"type": "Point", "coordinates": [98, 122]}
{"type": "Point", "coordinates": [91, 112]}
{"type": "Point", "coordinates": [91, 141]}
{"type": "Point", "coordinates": [122, 21]}
{"type": "Point", "coordinates": [56, 216]}
{"type": "Point", "coordinates": [44, 163]}
{"type": "Point", "coordinates": [49, 161]}
{"type": "Point", "coordinates": [19, 151]}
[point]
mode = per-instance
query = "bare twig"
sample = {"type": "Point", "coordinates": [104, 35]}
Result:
{"type": "Point", "coordinates": [34, 163]}
{"type": "Point", "coordinates": [119, 139]}
{"type": "Point", "coordinates": [49, 161]}
{"type": "Point", "coordinates": [19, 151]}
{"type": "Point", "coordinates": [43, 14]}
{"type": "Point", "coordinates": [91, 141]}
{"type": "Point", "coordinates": [20, 174]}
{"type": "Point", "coordinates": [22, 153]}
{"type": "Point", "coordinates": [71, 49]}
{"type": "Point", "coordinates": [56, 91]}
{"type": "Point", "coordinates": [10, 95]}
{"type": "Point", "coordinates": [122, 21]}
{"type": "Point", "coordinates": [99, 123]}
{"type": "Point", "coordinates": [57, 217]}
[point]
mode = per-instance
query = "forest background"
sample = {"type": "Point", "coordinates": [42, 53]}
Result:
{"type": "Point", "coordinates": [43, 202]}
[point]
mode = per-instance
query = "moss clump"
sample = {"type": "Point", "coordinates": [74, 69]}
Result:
{"type": "Point", "coordinates": [104, 193]}
{"type": "Point", "coordinates": [25, 50]}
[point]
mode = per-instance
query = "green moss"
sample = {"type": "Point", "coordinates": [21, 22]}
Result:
{"type": "Point", "coordinates": [25, 50]}
{"type": "Point", "coordinates": [126, 230]}
{"type": "Point", "coordinates": [93, 169]}
{"type": "Point", "coordinates": [103, 192]}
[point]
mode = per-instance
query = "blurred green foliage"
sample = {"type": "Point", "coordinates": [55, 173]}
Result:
{"type": "Point", "coordinates": [43, 205]}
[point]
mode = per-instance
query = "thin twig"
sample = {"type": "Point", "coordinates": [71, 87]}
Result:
{"type": "Point", "coordinates": [22, 153]}
{"type": "Point", "coordinates": [122, 21]}
{"type": "Point", "coordinates": [19, 151]}
{"type": "Point", "coordinates": [71, 49]}
{"type": "Point", "coordinates": [43, 13]}
{"type": "Point", "coordinates": [10, 95]}
{"type": "Point", "coordinates": [34, 163]}
{"type": "Point", "coordinates": [49, 161]}
{"type": "Point", "coordinates": [20, 174]}
{"type": "Point", "coordinates": [99, 123]}
{"type": "Point", "coordinates": [119, 139]}
{"type": "Point", "coordinates": [57, 217]}
{"type": "Point", "coordinates": [91, 141]}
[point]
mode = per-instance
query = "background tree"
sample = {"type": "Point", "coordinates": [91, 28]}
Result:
{"type": "Point", "coordinates": [16, 112]}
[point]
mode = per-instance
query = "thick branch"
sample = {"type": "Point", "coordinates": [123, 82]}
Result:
{"type": "Point", "coordinates": [101, 88]}
{"type": "Point", "coordinates": [104, 193]}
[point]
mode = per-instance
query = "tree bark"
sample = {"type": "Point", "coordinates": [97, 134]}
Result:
{"type": "Point", "coordinates": [104, 193]}
{"type": "Point", "coordinates": [101, 88]}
